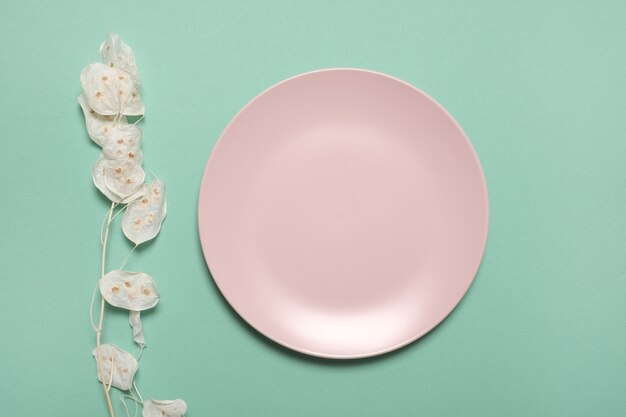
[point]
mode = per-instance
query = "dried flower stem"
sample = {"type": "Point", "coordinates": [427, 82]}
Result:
{"type": "Point", "coordinates": [99, 329]}
{"type": "Point", "coordinates": [110, 93]}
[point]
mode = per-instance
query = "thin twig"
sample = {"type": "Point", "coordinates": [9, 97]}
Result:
{"type": "Point", "coordinates": [93, 300]}
{"type": "Point", "coordinates": [105, 221]}
{"type": "Point", "coordinates": [99, 331]}
{"type": "Point", "coordinates": [112, 371]}
{"type": "Point", "coordinates": [137, 391]}
{"type": "Point", "coordinates": [124, 404]}
{"type": "Point", "coordinates": [128, 256]}
{"type": "Point", "coordinates": [136, 401]}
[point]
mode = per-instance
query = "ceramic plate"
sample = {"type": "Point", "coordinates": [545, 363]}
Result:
{"type": "Point", "coordinates": [343, 213]}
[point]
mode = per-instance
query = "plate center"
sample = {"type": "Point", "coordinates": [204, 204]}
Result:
{"type": "Point", "coordinates": [336, 201]}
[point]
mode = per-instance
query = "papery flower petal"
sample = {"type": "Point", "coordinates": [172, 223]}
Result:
{"type": "Point", "coordinates": [134, 318]}
{"type": "Point", "coordinates": [98, 126]}
{"type": "Point", "coordinates": [124, 144]}
{"type": "Point", "coordinates": [143, 217]}
{"type": "Point", "coordinates": [121, 363]}
{"type": "Point", "coordinates": [164, 408]}
{"type": "Point", "coordinates": [101, 88]}
{"type": "Point", "coordinates": [129, 290]}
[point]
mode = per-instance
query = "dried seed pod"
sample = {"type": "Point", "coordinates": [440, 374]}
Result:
{"type": "Point", "coordinates": [128, 91]}
{"type": "Point", "coordinates": [112, 87]}
{"type": "Point", "coordinates": [143, 217]}
{"type": "Point", "coordinates": [100, 89]}
{"type": "Point", "coordinates": [116, 53]}
{"type": "Point", "coordinates": [130, 290]}
{"type": "Point", "coordinates": [98, 126]}
{"type": "Point", "coordinates": [124, 144]}
{"type": "Point", "coordinates": [134, 318]}
{"type": "Point", "coordinates": [119, 362]}
{"type": "Point", "coordinates": [123, 178]}
{"type": "Point", "coordinates": [98, 175]}
{"type": "Point", "coordinates": [164, 408]}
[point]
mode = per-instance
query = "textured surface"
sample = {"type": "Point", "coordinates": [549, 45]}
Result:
{"type": "Point", "coordinates": [538, 87]}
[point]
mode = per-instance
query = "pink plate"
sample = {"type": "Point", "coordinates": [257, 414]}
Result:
{"type": "Point", "coordinates": [343, 213]}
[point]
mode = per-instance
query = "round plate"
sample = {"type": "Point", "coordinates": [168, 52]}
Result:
{"type": "Point", "coordinates": [343, 213]}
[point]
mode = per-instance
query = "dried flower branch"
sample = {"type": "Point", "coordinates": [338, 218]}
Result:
{"type": "Point", "coordinates": [110, 93]}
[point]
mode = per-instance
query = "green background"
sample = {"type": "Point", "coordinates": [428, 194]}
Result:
{"type": "Point", "coordinates": [540, 89]}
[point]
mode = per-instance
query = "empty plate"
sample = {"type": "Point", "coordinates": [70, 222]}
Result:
{"type": "Point", "coordinates": [343, 213]}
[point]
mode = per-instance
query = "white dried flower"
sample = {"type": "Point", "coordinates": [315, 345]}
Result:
{"type": "Point", "coordinates": [123, 178]}
{"type": "Point", "coordinates": [119, 362]}
{"type": "Point", "coordinates": [110, 93]}
{"type": "Point", "coordinates": [143, 218]}
{"type": "Point", "coordinates": [164, 408]}
{"type": "Point", "coordinates": [116, 53]}
{"type": "Point", "coordinates": [130, 290]}
{"type": "Point", "coordinates": [123, 144]}
{"type": "Point", "coordinates": [98, 176]}
{"type": "Point", "coordinates": [112, 87]}
{"type": "Point", "coordinates": [98, 126]}
{"type": "Point", "coordinates": [100, 89]}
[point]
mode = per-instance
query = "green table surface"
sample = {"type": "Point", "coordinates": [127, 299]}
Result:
{"type": "Point", "coordinates": [538, 86]}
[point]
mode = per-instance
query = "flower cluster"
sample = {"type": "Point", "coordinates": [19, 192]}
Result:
{"type": "Point", "coordinates": [110, 94]}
